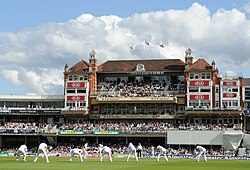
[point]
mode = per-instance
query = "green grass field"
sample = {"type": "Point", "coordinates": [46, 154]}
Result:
{"type": "Point", "coordinates": [62, 163]}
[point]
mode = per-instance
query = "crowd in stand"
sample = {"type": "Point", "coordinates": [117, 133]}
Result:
{"type": "Point", "coordinates": [20, 127]}
{"type": "Point", "coordinates": [122, 127]}
{"type": "Point", "coordinates": [188, 126]}
{"type": "Point", "coordinates": [126, 127]}
{"type": "Point", "coordinates": [137, 89]}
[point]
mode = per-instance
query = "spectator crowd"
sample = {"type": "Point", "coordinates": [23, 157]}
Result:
{"type": "Point", "coordinates": [121, 126]}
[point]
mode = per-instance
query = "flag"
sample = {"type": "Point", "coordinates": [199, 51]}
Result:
{"type": "Point", "coordinates": [161, 45]}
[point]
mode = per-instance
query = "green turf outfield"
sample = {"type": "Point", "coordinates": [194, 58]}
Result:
{"type": "Point", "coordinates": [59, 163]}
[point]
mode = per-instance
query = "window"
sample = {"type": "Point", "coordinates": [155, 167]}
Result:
{"type": "Point", "coordinates": [152, 108]}
{"type": "Point", "coordinates": [82, 104]}
{"type": "Point", "coordinates": [181, 108]}
{"type": "Point", "coordinates": [167, 108]}
{"type": "Point", "coordinates": [194, 103]}
{"type": "Point", "coordinates": [235, 89]}
{"type": "Point", "coordinates": [208, 76]}
{"type": "Point", "coordinates": [224, 89]}
{"type": "Point", "coordinates": [247, 105]}
{"type": "Point", "coordinates": [59, 104]}
{"type": "Point", "coordinates": [235, 103]}
{"type": "Point", "coordinates": [205, 103]}
{"type": "Point", "coordinates": [70, 78]}
{"type": "Point", "coordinates": [216, 89]}
{"type": "Point", "coordinates": [193, 89]}
{"type": "Point", "coordinates": [109, 108]}
{"type": "Point", "coordinates": [85, 78]}
{"type": "Point", "coordinates": [70, 104]}
{"type": "Point", "coordinates": [70, 90]}
{"type": "Point", "coordinates": [75, 78]}
{"type": "Point", "coordinates": [80, 78]}
{"type": "Point", "coordinates": [196, 76]}
{"type": "Point", "coordinates": [123, 109]}
{"type": "Point", "coordinates": [224, 103]}
{"type": "Point", "coordinates": [203, 76]}
{"type": "Point", "coordinates": [1, 103]}
{"type": "Point", "coordinates": [138, 109]}
{"type": "Point", "coordinates": [81, 91]}
{"type": "Point", "coordinates": [10, 104]}
{"type": "Point", "coordinates": [48, 105]}
{"type": "Point", "coordinates": [205, 89]}
{"type": "Point", "coordinates": [217, 104]}
{"type": "Point", "coordinates": [22, 104]}
{"type": "Point", "coordinates": [191, 76]}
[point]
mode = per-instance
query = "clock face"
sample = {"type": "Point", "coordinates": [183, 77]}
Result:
{"type": "Point", "coordinates": [140, 67]}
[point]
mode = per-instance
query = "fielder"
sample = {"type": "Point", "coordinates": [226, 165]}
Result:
{"type": "Point", "coordinates": [43, 148]}
{"type": "Point", "coordinates": [202, 151]}
{"type": "Point", "coordinates": [152, 152]}
{"type": "Point", "coordinates": [131, 149]}
{"type": "Point", "coordinates": [162, 151]}
{"type": "Point", "coordinates": [22, 150]}
{"type": "Point", "coordinates": [76, 151]}
{"type": "Point", "coordinates": [105, 150]}
{"type": "Point", "coordinates": [85, 148]}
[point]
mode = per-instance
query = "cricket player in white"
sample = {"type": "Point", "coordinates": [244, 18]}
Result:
{"type": "Point", "coordinates": [162, 151]}
{"type": "Point", "coordinates": [152, 151]}
{"type": "Point", "coordinates": [43, 148]}
{"type": "Point", "coordinates": [76, 151]}
{"type": "Point", "coordinates": [202, 151]}
{"type": "Point", "coordinates": [22, 150]}
{"type": "Point", "coordinates": [85, 148]}
{"type": "Point", "coordinates": [131, 149]}
{"type": "Point", "coordinates": [105, 150]}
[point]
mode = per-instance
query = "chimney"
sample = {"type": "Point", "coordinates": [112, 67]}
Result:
{"type": "Point", "coordinates": [189, 57]}
{"type": "Point", "coordinates": [213, 65]}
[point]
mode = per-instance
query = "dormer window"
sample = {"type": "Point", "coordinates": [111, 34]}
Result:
{"type": "Point", "coordinates": [70, 78]}
{"type": "Point", "coordinates": [191, 76]}
{"type": "Point", "coordinates": [196, 76]}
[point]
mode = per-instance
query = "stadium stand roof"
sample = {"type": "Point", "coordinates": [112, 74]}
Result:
{"type": "Point", "coordinates": [150, 65]}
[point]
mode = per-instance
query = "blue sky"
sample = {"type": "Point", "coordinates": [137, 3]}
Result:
{"type": "Point", "coordinates": [19, 14]}
{"type": "Point", "coordinates": [38, 37]}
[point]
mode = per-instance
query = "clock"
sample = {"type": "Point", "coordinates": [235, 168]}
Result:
{"type": "Point", "coordinates": [140, 67]}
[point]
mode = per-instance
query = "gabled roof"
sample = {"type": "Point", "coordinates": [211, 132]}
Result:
{"type": "Point", "coordinates": [246, 81]}
{"type": "Point", "coordinates": [200, 64]}
{"type": "Point", "coordinates": [149, 65]}
{"type": "Point", "coordinates": [80, 67]}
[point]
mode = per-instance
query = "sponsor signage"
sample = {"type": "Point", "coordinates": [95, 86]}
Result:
{"type": "Point", "coordinates": [230, 83]}
{"type": "Point", "coordinates": [75, 84]}
{"type": "Point", "coordinates": [31, 111]}
{"type": "Point", "coordinates": [229, 95]}
{"type": "Point", "coordinates": [75, 98]}
{"type": "Point", "coordinates": [247, 112]}
{"type": "Point", "coordinates": [147, 73]}
{"type": "Point", "coordinates": [199, 83]}
{"type": "Point", "coordinates": [4, 154]}
{"type": "Point", "coordinates": [134, 116]}
{"type": "Point", "coordinates": [199, 97]}
{"type": "Point", "coordinates": [71, 132]}
{"type": "Point", "coordinates": [105, 132]}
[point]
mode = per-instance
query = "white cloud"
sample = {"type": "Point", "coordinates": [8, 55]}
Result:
{"type": "Point", "coordinates": [34, 58]}
{"type": "Point", "coordinates": [11, 75]}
